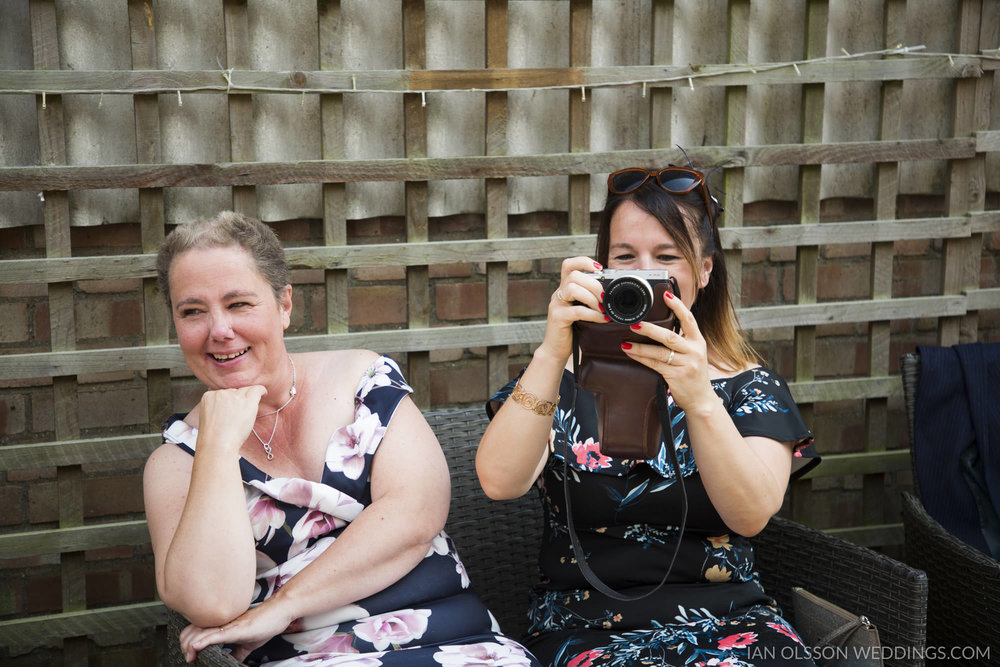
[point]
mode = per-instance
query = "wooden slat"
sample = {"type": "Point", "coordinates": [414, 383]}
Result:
{"type": "Point", "coordinates": [241, 120]}
{"type": "Point", "coordinates": [845, 389]}
{"type": "Point", "coordinates": [25, 633]}
{"type": "Point", "coordinates": [838, 465]}
{"type": "Point", "coordinates": [735, 134]}
{"type": "Point", "coordinates": [477, 167]}
{"type": "Point", "coordinates": [46, 364]}
{"type": "Point", "coordinates": [661, 54]}
{"type": "Point", "coordinates": [80, 538]}
{"type": "Point", "coordinates": [136, 82]}
{"type": "Point", "coordinates": [78, 452]}
{"type": "Point", "coordinates": [509, 249]}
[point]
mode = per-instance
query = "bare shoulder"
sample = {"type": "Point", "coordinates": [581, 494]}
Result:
{"type": "Point", "coordinates": [167, 459]}
{"type": "Point", "coordinates": [335, 369]}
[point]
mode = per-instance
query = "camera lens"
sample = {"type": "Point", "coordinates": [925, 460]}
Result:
{"type": "Point", "coordinates": [628, 299]}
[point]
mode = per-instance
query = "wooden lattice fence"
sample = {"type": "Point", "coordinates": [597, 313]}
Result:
{"type": "Point", "coordinates": [854, 228]}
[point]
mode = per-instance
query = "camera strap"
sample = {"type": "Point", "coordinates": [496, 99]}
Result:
{"type": "Point", "coordinates": [668, 436]}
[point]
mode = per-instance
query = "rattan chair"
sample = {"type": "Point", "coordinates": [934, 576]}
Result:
{"type": "Point", "coordinates": [964, 583]}
{"type": "Point", "coordinates": [499, 540]}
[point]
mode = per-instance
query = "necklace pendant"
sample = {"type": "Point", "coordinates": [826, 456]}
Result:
{"type": "Point", "coordinates": [270, 456]}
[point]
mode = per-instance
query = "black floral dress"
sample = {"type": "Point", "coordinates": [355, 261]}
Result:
{"type": "Point", "coordinates": [429, 618]}
{"type": "Point", "coordinates": [712, 610]}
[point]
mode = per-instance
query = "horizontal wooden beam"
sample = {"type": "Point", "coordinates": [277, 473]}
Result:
{"type": "Point", "coordinates": [861, 463]}
{"type": "Point", "coordinates": [81, 538]}
{"type": "Point", "coordinates": [65, 269]}
{"type": "Point", "coordinates": [78, 452]}
{"type": "Point", "coordinates": [56, 177]}
{"type": "Point", "coordinates": [845, 389]}
{"type": "Point", "coordinates": [20, 635]}
{"type": "Point", "coordinates": [80, 362]}
{"type": "Point", "coordinates": [240, 82]}
{"type": "Point", "coordinates": [839, 312]}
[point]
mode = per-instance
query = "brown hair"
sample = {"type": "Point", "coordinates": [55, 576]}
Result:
{"type": "Point", "coordinates": [684, 217]}
{"type": "Point", "coordinates": [226, 229]}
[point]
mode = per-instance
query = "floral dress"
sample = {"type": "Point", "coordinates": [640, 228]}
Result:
{"type": "Point", "coordinates": [429, 617]}
{"type": "Point", "coordinates": [712, 610]}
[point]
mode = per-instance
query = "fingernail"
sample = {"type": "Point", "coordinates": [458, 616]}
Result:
{"type": "Point", "coordinates": [602, 296]}
{"type": "Point", "coordinates": [637, 325]}
{"type": "Point", "coordinates": [626, 346]}
{"type": "Point", "coordinates": [597, 265]}
{"type": "Point", "coordinates": [601, 306]}
{"type": "Point", "coordinates": [669, 294]}
{"type": "Point", "coordinates": [607, 319]}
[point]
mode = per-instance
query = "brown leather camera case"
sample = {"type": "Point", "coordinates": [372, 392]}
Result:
{"type": "Point", "coordinates": [625, 390]}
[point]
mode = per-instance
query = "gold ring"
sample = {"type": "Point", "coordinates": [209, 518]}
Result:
{"type": "Point", "coordinates": [670, 357]}
{"type": "Point", "coordinates": [560, 296]}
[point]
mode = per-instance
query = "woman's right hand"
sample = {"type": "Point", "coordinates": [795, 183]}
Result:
{"type": "Point", "coordinates": [226, 417]}
{"type": "Point", "coordinates": [578, 298]}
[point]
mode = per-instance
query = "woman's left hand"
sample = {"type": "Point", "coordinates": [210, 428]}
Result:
{"type": "Point", "coordinates": [680, 358]}
{"type": "Point", "coordinates": [249, 631]}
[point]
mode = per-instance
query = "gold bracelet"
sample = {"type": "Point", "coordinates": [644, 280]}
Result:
{"type": "Point", "coordinates": [529, 401]}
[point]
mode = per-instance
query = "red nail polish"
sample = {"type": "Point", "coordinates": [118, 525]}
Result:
{"type": "Point", "coordinates": [626, 346]}
{"type": "Point", "coordinates": [597, 265]}
{"type": "Point", "coordinates": [601, 306]}
{"type": "Point", "coordinates": [607, 319]}
{"type": "Point", "coordinates": [669, 294]}
{"type": "Point", "coordinates": [602, 296]}
{"type": "Point", "coordinates": [637, 325]}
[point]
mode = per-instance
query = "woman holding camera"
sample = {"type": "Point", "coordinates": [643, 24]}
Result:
{"type": "Point", "coordinates": [738, 439]}
{"type": "Point", "coordinates": [296, 512]}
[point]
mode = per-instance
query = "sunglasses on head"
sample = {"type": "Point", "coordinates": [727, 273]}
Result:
{"type": "Point", "coordinates": [675, 180]}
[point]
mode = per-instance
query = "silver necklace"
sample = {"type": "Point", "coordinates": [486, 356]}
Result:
{"type": "Point", "coordinates": [274, 429]}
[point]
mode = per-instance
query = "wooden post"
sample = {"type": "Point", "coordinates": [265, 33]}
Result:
{"type": "Point", "coordinates": [497, 278]}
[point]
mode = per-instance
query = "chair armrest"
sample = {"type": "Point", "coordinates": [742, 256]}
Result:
{"type": "Point", "coordinates": [210, 656]}
{"type": "Point", "coordinates": [891, 594]}
{"type": "Point", "coordinates": [964, 593]}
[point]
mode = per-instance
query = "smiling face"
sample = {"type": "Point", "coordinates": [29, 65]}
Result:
{"type": "Point", "coordinates": [229, 325]}
{"type": "Point", "coordinates": [637, 240]}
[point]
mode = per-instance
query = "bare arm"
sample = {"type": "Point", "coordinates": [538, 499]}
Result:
{"type": "Point", "coordinates": [745, 478]}
{"type": "Point", "coordinates": [197, 514]}
{"type": "Point", "coordinates": [514, 448]}
{"type": "Point", "coordinates": [410, 496]}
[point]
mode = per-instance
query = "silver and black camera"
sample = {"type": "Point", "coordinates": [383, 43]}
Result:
{"type": "Point", "coordinates": [632, 296]}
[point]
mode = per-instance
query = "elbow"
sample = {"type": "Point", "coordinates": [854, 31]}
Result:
{"type": "Point", "coordinates": [203, 611]}
{"type": "Point", "coordinates": [752, 520]}
{"type": "Point", "coordinates": [497, 488]}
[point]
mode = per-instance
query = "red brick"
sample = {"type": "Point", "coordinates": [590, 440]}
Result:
{"type": "Point", "coordinates": [842, 250]}
{"type": "Point", "coordinates": [760, 284]}
{"type": "Point", "coordinates": [14, 323]}
{"type": "Point", "coordinates": [460, 270]}
{"type": "Point", "coordinates": [12, 501]}
{"type": "Point", "coordinates": [43, 502]}
{"type": "Point", "coordinates": [23, 290]}
{"type": "Point", "coordinates": [460, 301]}
{"type": "Point", "coordinates": [106, 496]}
{"type": "Point", "coordinates": [111, 286]}
{"type": "Point", "coordinates": [308, 276]}
{"type": "Point", "coordinates": [916, 277]}
{"type": "Point", "coordinates": [42, 420]}
{"type": "Point", "coordinates": [119, 235]}
{"type": "Point", "coordinates": [452, 385]}
{"type": "Point", "coordinates": [113, 406]}
{"type": "Point", "coordinates": [100, 318]}
{"type": "Point", "coordinates": [41, 323]}
{"type": "Point", "coordinates": [378, 304]}
{"type": "Point", "coordinates": [843, 281]}
{"type": "Point", "coordinates": [911, 247]}
{"type": "Point", "coordinates": [781, 254]}
{"type": "Point", "coordinates": [12, 418]}
{"type": "Point", "coordinates": [379, 273]}
{"type": "Point", "coordinates": [530, 297]}
{"type": "Point", "coordinates": [44, 594]}
{"type": "Point", "coordinates": [754, 255]}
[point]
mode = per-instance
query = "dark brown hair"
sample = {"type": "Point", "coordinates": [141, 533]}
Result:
{"type": "Point", "coordinates": [684, 217]}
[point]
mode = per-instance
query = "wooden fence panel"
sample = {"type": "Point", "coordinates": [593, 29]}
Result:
{"type": "Point", "coordinates": [837, 346]}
